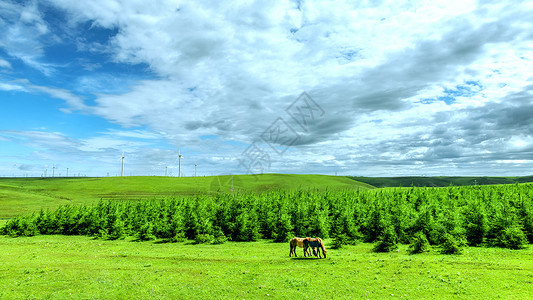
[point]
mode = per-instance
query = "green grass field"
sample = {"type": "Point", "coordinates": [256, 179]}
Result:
{"type": "Point", "coordinates": [439, 181]}
{"type": "Point", "coordinates": [19, 196]}
{"type": "Point", "coordinates": [75, 267]}
{"type": "Point", "coordinates": [80, 267]}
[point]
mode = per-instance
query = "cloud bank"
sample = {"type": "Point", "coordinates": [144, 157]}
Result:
{"type": "Point", "coordinates": [406, 88]}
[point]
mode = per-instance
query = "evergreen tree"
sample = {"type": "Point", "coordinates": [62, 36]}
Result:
{"type": "Point", "coordinates": [146, 232]}
{"type": "Point", "coordinates": [388, 241]}
{"type": "Point", "coordinates": [512, 238]}
{"type": "Point", "coordinates": [476, 223]}
{"type": "Point", "coordinates": [283, 228]}
{"type": "Point", "coordinates": [452, 244]}
{"type": "Point", "coordinates": [419, 243]}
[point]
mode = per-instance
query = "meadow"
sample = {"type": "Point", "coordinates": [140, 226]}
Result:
{"type": "Point", "coordinates": [79, 267]}
{"type": "Point", "coordinates": [19, 196]}
{"type": "Point", "coordinates": [440, 181]}
{"type": "Point", "coordinates": [162, 242]}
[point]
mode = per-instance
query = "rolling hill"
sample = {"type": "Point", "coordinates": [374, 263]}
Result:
{"type": "Point", "coordinates": [25, 195]}
{"type": "Point", "coordinates": [439, 181]}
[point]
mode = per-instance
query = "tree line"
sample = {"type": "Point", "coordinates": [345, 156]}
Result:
{"type": "Point", "coordinates": [449, 217]}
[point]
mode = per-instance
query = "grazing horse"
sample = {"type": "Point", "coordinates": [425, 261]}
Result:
{"type": "Point", "coordinates": [314, 243]}
{"type": "Point", "coordinates": [294, 242]}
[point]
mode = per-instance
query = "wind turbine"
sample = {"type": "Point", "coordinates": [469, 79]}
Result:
{"type": "Point", "coordinates": [122, 170]}
{"type": "Point", "coordinates": [179, 162]}
{"type": "Point", "coordinates": [195, 164]}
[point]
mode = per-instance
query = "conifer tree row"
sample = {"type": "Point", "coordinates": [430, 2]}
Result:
{"type": "Point", "coordinates": [484, 215]}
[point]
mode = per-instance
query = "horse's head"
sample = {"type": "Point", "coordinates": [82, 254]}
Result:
{"type": "Point", "coordinates": [322, 246]}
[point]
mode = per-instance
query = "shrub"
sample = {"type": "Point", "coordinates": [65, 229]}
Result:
{"type": "Point", "coordinates": [283, 228]}
{"type": "Point", "coordinates": [512, 238]}
{"type": "Point", "coordinates": [476, 223]}
{"type": "Point", "coordinates": [177, 238]}
{"type": "Point", "coordinates": [117, 231]}
{"type": "Point", "coordinates": [146, 232]}
{"type": "Point", "coordinates": [204, 238]}
{"type": "Point", "coordinates": [339, 240]}
{"type": "Point", "coordinates": [453, 244]}
{"type": "Point", "coordinates": [220, 238]}
{"type": "Point", "coordinates": [22, 226]}
{"type": "Point", "coordinates": [387, 242]}
{"type": "Point", "coordinates": [419, 243]}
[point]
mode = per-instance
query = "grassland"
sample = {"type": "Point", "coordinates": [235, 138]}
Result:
{"type": "Point", "coordinates": [439, 181]}
{"type": "Point", "coordinates": [19, 196]}
{"type": "Point", "coordinates": [77, 267]}
{"type": "Point", "coordinates": [81, 267]}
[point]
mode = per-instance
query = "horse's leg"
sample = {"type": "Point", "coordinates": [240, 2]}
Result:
{"type": "Point", "coordinates": [293, 250]}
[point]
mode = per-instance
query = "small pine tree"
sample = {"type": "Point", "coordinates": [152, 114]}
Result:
{"type": "Point", "coordinates": [512, 238]}
{"type": "Point", "coordinates": [453, 244]}
{"type": "Point", "coordinates": [146, 232]}
{"type": "Point", "coordinates": [339, 240]}
{"type": "Point", "coordinates": [204, 238]}
{"type": "Point", "coordinates": [176, 228]}
{"type": "Point", "coordinates": [22, 226]}
{"type": "Point", "coordinates": [476, 223]}
{"type": "Point", "coordinates": [419, 243]}
{"type": "Point", "coordinates": [117, 230]}
{"type": "Point", "coordinates": [220, 238]}
{"type": "Point", "coordinates": [387, 242]}
{"type": "Point", "coordinates": [283, 228]}
{"type": "Point", "coordinates": [527, 220]}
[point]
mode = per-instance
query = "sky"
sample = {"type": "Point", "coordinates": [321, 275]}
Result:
{"type": "Point", "coordinates": [362, 88]}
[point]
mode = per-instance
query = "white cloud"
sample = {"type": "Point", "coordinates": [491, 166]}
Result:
{"type": "Point", "coordinates": [24, 34]}
{"type": "Point", "coordinates": [5, 64]}
{"type": "Point", "coordinates": [11, 87]}
{"type": "Point", "coordinates": [403, 83]}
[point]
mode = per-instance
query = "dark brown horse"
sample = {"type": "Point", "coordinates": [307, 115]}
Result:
{"type": "Point", "coordinates": [299, 242]}
{"type": "Point", "coordinates": [314, 243]}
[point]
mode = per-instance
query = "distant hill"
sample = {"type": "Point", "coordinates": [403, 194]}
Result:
{"type": "Point", "coordinates": [25, 195]}
{"type": "Point", "coordinates": [438, 181]}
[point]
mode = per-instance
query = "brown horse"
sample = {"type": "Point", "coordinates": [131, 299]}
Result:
{"type": "Point", "coordinates": [299, 242]}
{"type": "Point", "coordinates": [314, 243]}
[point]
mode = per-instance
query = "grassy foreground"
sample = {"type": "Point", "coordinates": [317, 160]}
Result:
{"type": "Point", "coordinates": [77, 267]}
{"type": "Point", "coordinates": [20, 196]}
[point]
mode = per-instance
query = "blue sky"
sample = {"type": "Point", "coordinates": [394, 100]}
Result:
{"type": "Point", "coordinates": [383, 88]}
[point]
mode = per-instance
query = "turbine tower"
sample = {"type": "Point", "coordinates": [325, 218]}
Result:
{"type": "Point", "coordinates": [122, 169]}
{"type": "Point", "coordinates": [195, 164]}
{"type": "Point", "coordinates": [179, 162]}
